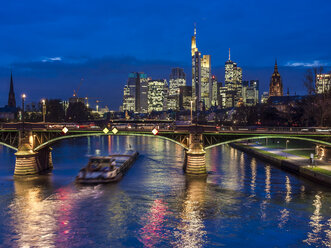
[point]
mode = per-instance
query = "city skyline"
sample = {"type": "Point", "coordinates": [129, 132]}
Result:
{"type": "Point", "coordinates": [51, 64]}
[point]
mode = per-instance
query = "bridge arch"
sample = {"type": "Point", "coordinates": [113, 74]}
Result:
{"type": "Point", "coordinates": [49, 142]}
{"type": "Point", "coordinates": [269, 137]}
{"type": "Point", "coordinates": [9, 146]}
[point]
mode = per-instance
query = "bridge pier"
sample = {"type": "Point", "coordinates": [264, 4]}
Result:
{"type": "Point", "coordinates": [26, 160]}
{"type": "Point", "coordinates": [195, 157]}
{"type": "Point", "coordinates": [29, 162]}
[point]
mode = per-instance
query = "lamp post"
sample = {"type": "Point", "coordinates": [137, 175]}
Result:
{"type": "Point", "coordinates": [44, 109]}
{"type": "Point", "coordinates": [287, 141]}
{"type": "Point", "coordinates": [191, 112]}
{"type": "Point", "coordinates": [23, 99]}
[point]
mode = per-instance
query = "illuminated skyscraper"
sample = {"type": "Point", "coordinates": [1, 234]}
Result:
{"type": "Point", "coordinates": [205, 92]}
{"type": "Point", "coordinates": [233, 83]}
{"type": "Point", "coordinates": [196, 68]}
{"type": "Point", "coordinates": [201, 75]}
{"type": "Point", "coordinates": [323, 83]}
{"type": "Point", "coordinates": [216, 99]}
{"type": "Point", "coordinates": [135, 93]}
{"type": "Point", "coordinates": [157, 95]}
{"type": "Point", "coordinates": [177, 79]}
{"type": "Point", "coordinates": [276, 85]}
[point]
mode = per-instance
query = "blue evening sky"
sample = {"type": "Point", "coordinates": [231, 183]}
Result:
{"type": "Point", "coordinates": [51, 44]}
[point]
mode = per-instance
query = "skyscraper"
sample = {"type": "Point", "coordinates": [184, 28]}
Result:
{"type": "Point", "coordinates": [177, 79]}
{"type": "Point", "coordinates": [233, 83]}
{"type": "Point", "coordinates": [135, 92]}
{"type": "Point", "coordinates": [196, 69]}
{"type": "Point", "coordinates": [215, 92]}
{"type": "Point", "coordinates": [205, 92]}
{"type": "Point", "coordinates": [276, 85]}
{"type": "Point", "coordinates": [201, 75]}
{"type": "Point", "coordinates": [11, 96]}
{"type": "Point", "coordinates": [157, 95]}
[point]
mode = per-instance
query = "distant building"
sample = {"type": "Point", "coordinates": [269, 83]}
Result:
{"type": "Point", "coordinates": [276, 85]}
{"type": "Point", "coordinates": [264, 97]}
{"type": "Point", "coordinates": [323, 83]}
{"type": "Point", "coordinates": [185, 97]}
{"type": "Point", "coordinates": [135, 92]}
{"type": "Point", "coordinates": [250, 92]}
{"type": "Point", "coordinates": [129, 103]}
{"type": "Point", "coordinates": [223, 93]}
{"type": "Point", "coordinates": [75, 99]}
{"type": "Point", "coordinates": [157, 95]}
{"type": "Point", "coordinates": [281, 103]}
{"type": "Point", "coordinates": [173, 102]}
{"type": "Point", "coordinates": [9, 112]}
{"type": "Point", "coordinates": [233, 83]}
{"type": "Point", "coordinates": [177, 80]}
{"type": "Point", "coordinates": [216, 98]}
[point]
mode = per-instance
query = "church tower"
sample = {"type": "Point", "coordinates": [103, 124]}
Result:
{"type": "Point", "coordinates": [276, 85]}
{"type": "Point", "coordinates": [11, 97]}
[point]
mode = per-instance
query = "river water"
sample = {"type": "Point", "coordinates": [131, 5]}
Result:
{"type": "Point", "coordinates": [244, 202]}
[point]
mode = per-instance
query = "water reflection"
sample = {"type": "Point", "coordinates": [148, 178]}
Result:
{"type": "Point", "coordinates": [253, 173]}
{"type": "Point", "coordinates": [154, 231]}
{"type": "Point", "coordinates": [32, 218]}
{"type": "Point", "coordinates": [191, 229]}
{"type": "Point", "coordinates": [315, 222]}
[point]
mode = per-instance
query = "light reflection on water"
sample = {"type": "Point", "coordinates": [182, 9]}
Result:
{"type": "Point", "coordinates": [243, 202]}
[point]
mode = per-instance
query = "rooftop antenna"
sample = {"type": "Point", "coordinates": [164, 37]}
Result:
{"type": "Point", "coordinates": [195, 29]}
{"type": "Point", "coordinates": [229, 54]}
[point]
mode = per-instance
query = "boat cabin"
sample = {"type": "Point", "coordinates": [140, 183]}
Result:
{"type": "Point", "coordinates": [101, 163]}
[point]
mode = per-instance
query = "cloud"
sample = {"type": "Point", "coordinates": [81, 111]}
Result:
{"type": "Point", "coordinates": [315, 63]}
{"type": "Point", "coordinates": [51, 59]}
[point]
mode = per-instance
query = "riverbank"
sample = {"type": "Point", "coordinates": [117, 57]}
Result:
{"type": "Point", "coordinates": [320, 172]}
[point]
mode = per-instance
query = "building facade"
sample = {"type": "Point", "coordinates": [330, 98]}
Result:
{"type": "Point", "coordinates": [177, 80]}
{"type": "Point", "coordinates": [276, 85]}
{"type": "Point", "coordinates": [185, 97]}
{"type": "Point", "coordinates": [323, 83]}
{"type": "Point", "coordinates": [250, 92]}
{"type": "Point", "coordinates": [205, 88]}
{"type": "Point", "coordinates": [157, 95]}
{"type": "Point", "coordinates": [135, 93]}
{"type": "Point", "coordinates": [233, 83]}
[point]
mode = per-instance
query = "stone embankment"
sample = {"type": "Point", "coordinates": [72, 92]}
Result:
{"type": "Point", "coordinates": [314, 173]}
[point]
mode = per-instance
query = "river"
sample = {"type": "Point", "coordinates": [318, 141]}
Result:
{"type": "Point", "coordinates": [243, 202]}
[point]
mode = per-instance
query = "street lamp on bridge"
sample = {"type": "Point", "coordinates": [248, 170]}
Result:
{"type": "Point", "coordinates": [44, 109]}
{"type": "Point", "coordinates": [23, 99]}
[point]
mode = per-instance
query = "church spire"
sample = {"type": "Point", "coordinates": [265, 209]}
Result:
{"type": "Point", "coordinates": [11, 96]}
{"type": "Point", "coordinates": [276, 66]}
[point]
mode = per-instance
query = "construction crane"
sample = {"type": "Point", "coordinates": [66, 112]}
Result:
{"type": "Point", "coordinates": [96, 101]}
{"type": "Point", "coordinates": [76, 91]}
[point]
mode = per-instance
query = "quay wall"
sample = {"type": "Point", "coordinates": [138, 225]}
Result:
{"type": "Point", "coordinates": [286, 164]}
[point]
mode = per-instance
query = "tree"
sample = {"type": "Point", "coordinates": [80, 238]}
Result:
{"type": "Point", "coordinates": [77, 112]}
{"type": "Point", "coordinates": [54, 110]}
